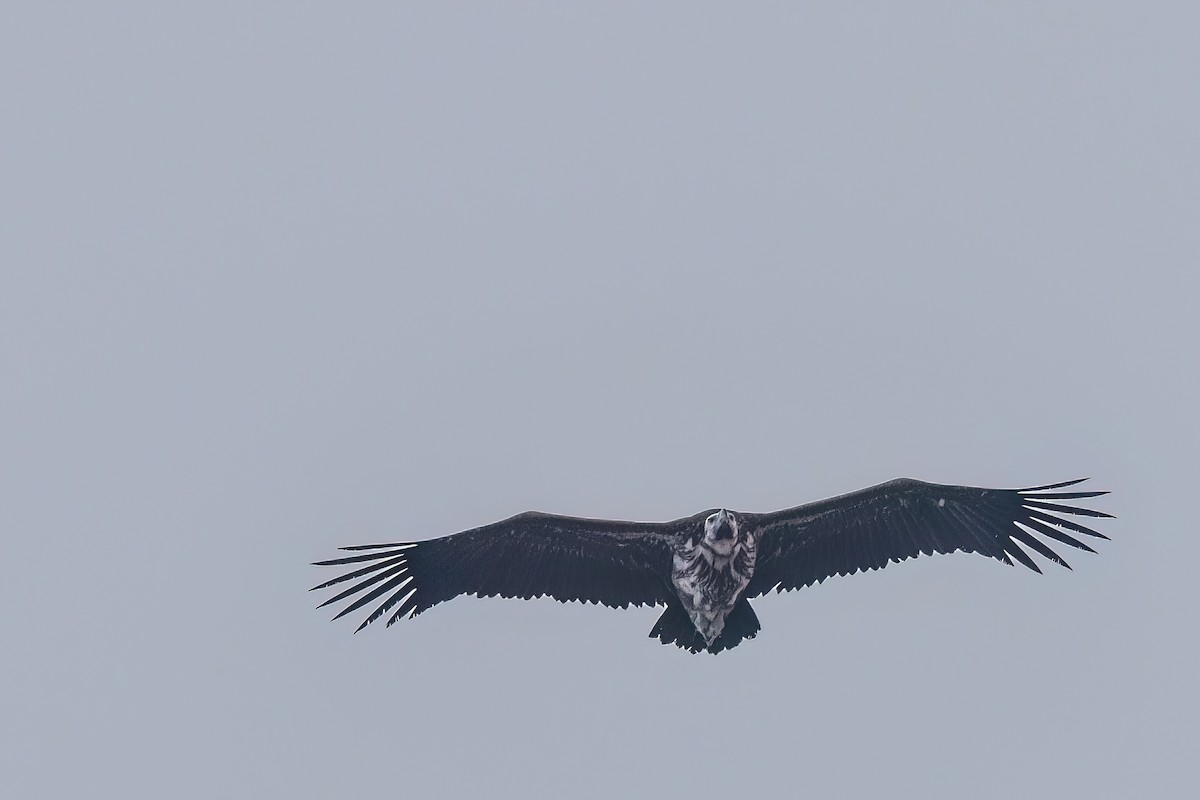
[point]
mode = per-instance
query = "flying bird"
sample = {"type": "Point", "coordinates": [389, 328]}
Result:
{"type": "Point", "coordinates": [706, 568]}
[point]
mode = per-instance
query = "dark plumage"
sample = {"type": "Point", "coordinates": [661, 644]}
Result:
{"type": "Point", "coordinates": [705, 568]}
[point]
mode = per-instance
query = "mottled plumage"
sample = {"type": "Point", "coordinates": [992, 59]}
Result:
{"type": "Point", "coordinates": [705, 568]}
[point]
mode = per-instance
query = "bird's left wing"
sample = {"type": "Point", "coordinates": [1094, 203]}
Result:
{"type": "Point", "coordinates": [905, 518]}
{"type": "Point", "coordinates": [532, 554]}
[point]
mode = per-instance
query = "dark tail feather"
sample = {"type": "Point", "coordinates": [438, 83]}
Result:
{"type": "Point", "coordinates": [742, 623]}
{"type": "Point", "coordinates": [675, 627]}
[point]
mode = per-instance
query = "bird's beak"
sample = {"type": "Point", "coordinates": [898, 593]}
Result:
{"type": "Point", "coordinates": [722, 526]}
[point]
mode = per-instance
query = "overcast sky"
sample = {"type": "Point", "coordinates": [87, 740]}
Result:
{"type": "Point", "coordinates": [279, 277]}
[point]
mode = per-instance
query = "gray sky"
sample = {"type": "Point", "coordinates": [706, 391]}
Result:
{"type": "Point", "coordinates": [282, 277]}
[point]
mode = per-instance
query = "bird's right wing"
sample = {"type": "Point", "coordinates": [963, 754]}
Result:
{"type": "Point", "coordinates": [532, 554]}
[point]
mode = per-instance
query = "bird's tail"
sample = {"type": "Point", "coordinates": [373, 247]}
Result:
{"type": "Point", "coordinates": [675, 627]}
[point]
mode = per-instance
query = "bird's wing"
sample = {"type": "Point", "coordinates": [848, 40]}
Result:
{"type": "Point", "coordinates": [905, 518]}
{"type": "Point", "coordinates": [529, 555]}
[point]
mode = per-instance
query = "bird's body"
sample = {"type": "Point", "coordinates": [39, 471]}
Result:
{"type": "Point", "coordinates": [710, 572]}
{"type": "Point", "coordinates": [705, 568]}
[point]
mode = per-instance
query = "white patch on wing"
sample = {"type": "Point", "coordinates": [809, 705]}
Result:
{"type": "Point", "coordinates": [941, 502]}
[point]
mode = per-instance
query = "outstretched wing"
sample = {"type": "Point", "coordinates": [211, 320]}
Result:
{"type": "Point", "coordinates": [905, 518]}
{"type": "Point", "coordinates": [529, 555]}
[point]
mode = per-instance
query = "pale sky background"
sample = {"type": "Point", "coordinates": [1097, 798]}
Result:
{"type": "Point", "coordinates": [278, 277]}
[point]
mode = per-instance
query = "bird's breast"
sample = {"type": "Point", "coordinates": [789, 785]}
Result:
{"type": "Point", "coordinates": [709, 581]}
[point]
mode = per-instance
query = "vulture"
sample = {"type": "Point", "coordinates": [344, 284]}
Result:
{"type": "Point", "coordinates": [705, 569]}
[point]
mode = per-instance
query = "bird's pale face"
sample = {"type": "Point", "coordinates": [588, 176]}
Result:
{"type": "Point", "coordinates": [721, 532]}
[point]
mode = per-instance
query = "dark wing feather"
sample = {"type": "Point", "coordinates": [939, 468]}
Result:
{"type": "Point", "coordinates": [905, 518]}
{"type": "Point", "coordinates": [530, 555]}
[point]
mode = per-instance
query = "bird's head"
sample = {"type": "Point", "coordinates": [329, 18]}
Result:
{"type": "Point", "coordinates": [721, 532]}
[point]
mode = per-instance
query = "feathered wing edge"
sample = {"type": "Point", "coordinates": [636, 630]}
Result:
{"type": "Point", "coordinates": [1042, 512]}
{"type": "Point", "coordinates": [1049, 519]}
{"type": "Point", "coordinates": [613, 563]}
{"type": "Point", "coordinates": [922, 519]}
{"type": "Point", "coordinates": [387, 571]}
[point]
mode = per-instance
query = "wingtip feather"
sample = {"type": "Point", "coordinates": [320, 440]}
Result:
{"type": "Point", "coordinates": [380, 546]}
{"type": "Point", "coordinates": [1053, 485]}
{"type": "Point", "coordinates": [1059, 508]}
